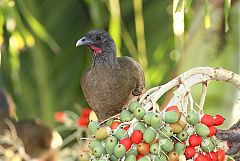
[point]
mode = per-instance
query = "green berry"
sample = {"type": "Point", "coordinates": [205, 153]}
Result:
{"type": "Point", "coordinates": [147, 117]}
{"type": "Point", "coordinates": [102, 133]}
{"type": "Point", "coordinates": [167, 145]}
{"type": "Point", "coordinates": [193, 118]}
{"type": "Point", "coordinates": [171, 117]}
{"type": "Point", "coordinates": [111, 142]}
{"type": "Point", "coordinates": [149, 135]}
{"type": "Point", "coordinates": [166, 132]}
{"type": "Point", "coordinates": [156, 121]}
{"type": "Point", "coordinates": [213, 140]}
{"type": "Point", "coordinates": [93, 126]}
{"type": "Point", "coordinates": [202, 130]}
{"type": "Point", "coordinates": [180, 148]}
{"type": "Point", "coordinates": [139, 113]}
{"type": "Point", "coordinates": [155, 148]}
{"type": "Point", "coordinates": [183, 135]}
{"type": "Point", "coordinates": [133, 105]}
{"type": "Point", "coordinates": [113, 158]}
{"type": "Point", "coordinates": [94, 144]}
{"type": "Point", "coordinates": [99, 151]}
{"type": "Point", "coordinates": [132, 151]}
{"type": "Point", "coordinates": [109, 122]}
{"type": "Point", "coordinates": [140, 126]}
{"type": "Point", "coordinates": [207, 145]}
{"type": "Point", "coordinates": [119, 133]}
{"type": "Point", "coordinates": [131, 157]}
{"type": "Point", "coordinates": [125, 116]}
{"type": "Point", "coordinates": [119, 151]}
{"type": "Point", "coordinates": [161, 158]}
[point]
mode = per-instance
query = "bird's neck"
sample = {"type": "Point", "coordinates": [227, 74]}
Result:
{"type": "Point", "coordinates": [108, 60]}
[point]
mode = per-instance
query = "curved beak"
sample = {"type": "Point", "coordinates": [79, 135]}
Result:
{"type": "Point", "coordinates": [83, 41]}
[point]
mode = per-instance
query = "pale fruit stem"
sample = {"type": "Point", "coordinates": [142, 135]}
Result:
{"type": "Point", "coordinates": [191, 101]}
{"type": "Point", "coordinates": [189, 79]}
{"type": "Point", "coordinates": [203, 95]}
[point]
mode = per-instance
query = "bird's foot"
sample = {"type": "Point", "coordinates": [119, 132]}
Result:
{"type": "Point", "coordinates": [138, 90]}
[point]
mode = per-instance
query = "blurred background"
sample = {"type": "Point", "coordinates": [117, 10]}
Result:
{"type": "Point", "coordinates": [41, 68]}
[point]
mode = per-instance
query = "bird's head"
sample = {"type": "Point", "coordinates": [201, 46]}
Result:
{"type": "Point", "coordinates": [99, 41]}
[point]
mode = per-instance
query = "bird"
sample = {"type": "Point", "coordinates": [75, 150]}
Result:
{"type": "Point", "coordinates": [39, 141]}
{"type": "Point", "coordinates": [111, 82]}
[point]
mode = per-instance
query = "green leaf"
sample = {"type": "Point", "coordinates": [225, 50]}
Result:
{"type": "Point", "coordinates": [227, 5]}
{"type": "Point", "coordinates": [115, 23]}
{"type": "Point", "coordinates": [207, 19]}
{"type": "Point", "coordinates": [38, 28]}
{"type": "Point", "coordinates": [94, 8]}
{"type": "Point", "coordinates": [187, 5]}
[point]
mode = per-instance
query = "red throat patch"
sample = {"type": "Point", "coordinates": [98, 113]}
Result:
{"type": "Point", "coordinates": [95, 50]}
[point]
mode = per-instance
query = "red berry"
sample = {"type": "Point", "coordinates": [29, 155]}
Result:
{"type": "Point", "coordinates": [82, 121]}
{"type": "Point", "coordinates": [115, 124]}
{"type": "Point", "coordinates": [208, 120]}
{"type": "Point", "coordinates": [189, 152]}
{"type": "Point", "coordinates": [137, 137]}
{"type": "Point", "coordinates": [126, 142]}
{"type": "Point", "coordinates": [212, 130]}
{"type": "Point", "coordinates": [219, 120]}
{"type": "Point", "coordinates": [60, 117]}
{"type": "Point", "coordinates": [126, 127]}
{"type": "Point", "coordinates": [200, 157]}
{"type": "Point", "coordinates": [86, 112]}
{"type": "Point", "coordinates": [212, 156]}
{"type": "Point", "coordinates": [195, 140]}
{"type": "Point", "coordinates": [221, 155]}
{"type": "Point", "coordinates": [139, 156]}
{"type": "Point", "coordinates": [174, 108]}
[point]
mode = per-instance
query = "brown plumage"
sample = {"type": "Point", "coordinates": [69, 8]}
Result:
{"type": "Point", "coordinates": [111, 82]}
{"type": "Point", "coordinates": [36, 137]}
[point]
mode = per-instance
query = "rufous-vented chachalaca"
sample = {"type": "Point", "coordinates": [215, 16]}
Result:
{"type": "Point", "coordinates": [109, 83]}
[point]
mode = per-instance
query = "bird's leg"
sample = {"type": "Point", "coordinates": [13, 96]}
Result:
{"type": "Point", "coordinates": [234, 148]}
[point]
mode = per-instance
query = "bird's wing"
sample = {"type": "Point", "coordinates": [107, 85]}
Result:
{"type": "Point", "coordinates": [83, 77]}
{"type": "Point", "coordinates": [85, 85]}
{"type": "Point", "coordinates": [136, 72]}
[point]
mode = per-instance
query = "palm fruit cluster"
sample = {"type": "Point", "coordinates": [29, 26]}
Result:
{"type": "Point", "coordinates": [137, 134]}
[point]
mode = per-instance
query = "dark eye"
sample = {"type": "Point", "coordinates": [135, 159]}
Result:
{"type": "Point", "coordinates": [98, 38]}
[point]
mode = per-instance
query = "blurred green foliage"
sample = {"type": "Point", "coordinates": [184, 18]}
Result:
{"type": "Point", "coordinates": [41, 67]}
